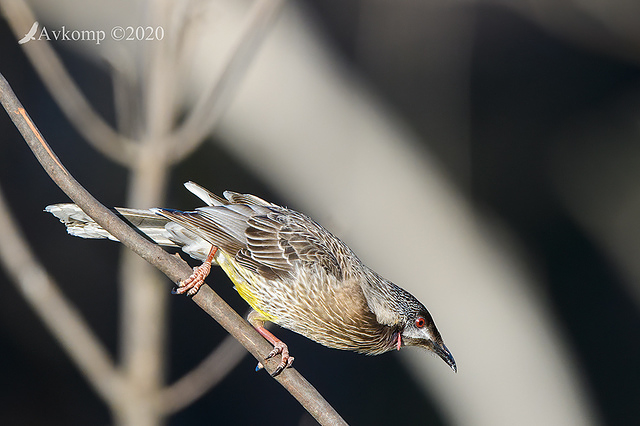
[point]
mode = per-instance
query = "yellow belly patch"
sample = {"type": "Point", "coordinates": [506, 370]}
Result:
{"type": "Point", "coordinates": [243, 281]}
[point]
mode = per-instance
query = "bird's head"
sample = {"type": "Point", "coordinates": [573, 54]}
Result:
{"type": "Point", "coordinates": [420, 330]}
{"type": "Point", "coordinates": [408, 320]}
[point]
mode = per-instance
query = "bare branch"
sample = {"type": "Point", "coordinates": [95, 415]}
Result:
{"type": "Point", "coordinates": [64, 90]}
{"type": "Point", "coordinates": [174, 268]}
{"type": "Point", "coordinates": [203, 377]}
{"type": "Point", "coordinates": [56, 312]}
{"type": "Point", "coordinates": [207, 111]}
{"type": "Point", "coordinates": [143, 313]}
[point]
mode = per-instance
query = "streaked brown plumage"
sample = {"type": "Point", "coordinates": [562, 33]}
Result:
{"type": "Point", "coordinates": [291, 270]}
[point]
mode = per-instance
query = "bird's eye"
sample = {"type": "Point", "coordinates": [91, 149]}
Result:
{"type": "Point", "coordinates": [420, 322]}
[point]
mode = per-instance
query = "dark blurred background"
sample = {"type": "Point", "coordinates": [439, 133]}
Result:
{"type": "Point", "coordinates": [552, 150]}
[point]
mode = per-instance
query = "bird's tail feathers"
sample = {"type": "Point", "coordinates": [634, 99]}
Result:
{"type": "Point", "coordinates": [156, 227]}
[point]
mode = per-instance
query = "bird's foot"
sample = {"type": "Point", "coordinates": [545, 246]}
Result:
{"type": "Point", "coordinates": [192, 284]}
{"type": "Point", "coordinates": [286, 360]}
{"type": "Point", "coordinates": [279, 347]}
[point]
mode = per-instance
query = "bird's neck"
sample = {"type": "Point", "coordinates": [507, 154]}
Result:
{"type": "Point", "coordinates": [382, 296]}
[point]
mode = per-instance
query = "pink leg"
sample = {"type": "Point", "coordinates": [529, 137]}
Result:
{"type": "Point", "coordinates": [279, 347]}
{"type": "Point", "coordinates": [192, 284]}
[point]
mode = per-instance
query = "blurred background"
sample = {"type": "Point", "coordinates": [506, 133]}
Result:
{"type": "Point", "coordinates": [484, 155]}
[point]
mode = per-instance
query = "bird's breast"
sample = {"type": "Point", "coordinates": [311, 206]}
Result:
{"type": "Point", "coordinates": [247, 284]}
{"type": "Point", "coordinates": [315, 304]}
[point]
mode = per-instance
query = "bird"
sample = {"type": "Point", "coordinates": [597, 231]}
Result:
{"type": "Point", "coordinates": [30, 34]}
{"type": "Point", "coordinates": [289, 269]}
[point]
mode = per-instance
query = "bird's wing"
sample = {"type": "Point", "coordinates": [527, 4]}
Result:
{"type": "Point", "coordinates": [212, 199]}
{"type": "Point", "coordinates": [205, 195]}
{"type": "Point", "coordinates": [283, 240]}
{"type": "Point", "coordinates": [248, 199]}
{"type": "Point", "coordinates": [267, 239]}
{"type": "Point", "coordinates": [223, 237]}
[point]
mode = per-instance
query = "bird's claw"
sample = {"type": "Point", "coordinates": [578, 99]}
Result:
{"type": "Point", "coordinates": [286, 360]}
{"type": "Point", "coordinates": [191, 285]}
{"type": "Point", "coordinates": [284, 364]}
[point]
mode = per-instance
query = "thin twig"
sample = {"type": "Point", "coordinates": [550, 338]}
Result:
{"type": "Point", "coordinates": [203, 377]}
{"type": "Point", "coordinates": [56, 312]}
{"type": "Point", "coordinates": [174, 268]}
{"type": "Point", "coordinates": [209, 108]}
{"type": "Point", "coordinates": [64, 90]}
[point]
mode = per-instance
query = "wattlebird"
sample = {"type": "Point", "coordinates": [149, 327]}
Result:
{"type": "Point", "coordinates": [288, 268]}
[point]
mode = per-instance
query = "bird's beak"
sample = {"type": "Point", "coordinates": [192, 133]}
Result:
{"type": "Point", "coordinates": [443, 352]}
